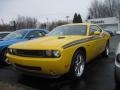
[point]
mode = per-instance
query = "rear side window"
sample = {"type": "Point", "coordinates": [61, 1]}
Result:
{"type": "Point", "coordinates": [94, 28]}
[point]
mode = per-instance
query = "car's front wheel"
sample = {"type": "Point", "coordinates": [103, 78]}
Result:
{"type": "Point", "coordinates": [78, 64]}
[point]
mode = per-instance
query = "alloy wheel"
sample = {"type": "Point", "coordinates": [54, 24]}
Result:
{"type": "Point", "coordinates": [79, 65]}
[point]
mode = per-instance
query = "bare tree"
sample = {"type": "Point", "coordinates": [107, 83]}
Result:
{"type": "Point", "coordinates": [25, 22]}
{"type": "Point", "coordinates": [5, 27]}
{"type": "Point", "coordinates": [108, 8]}
{"type": "Point", "coordinates": [53, 24]}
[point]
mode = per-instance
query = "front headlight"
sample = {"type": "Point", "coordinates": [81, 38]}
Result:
{"type": "Point", "coordinates": [56, 53]}
{"type": "Point", "coordinates": [53, 53]}
{"type": "Point", "coordinates": [10, 50]}
{"type": "Point", "coordinates": [118, 58]}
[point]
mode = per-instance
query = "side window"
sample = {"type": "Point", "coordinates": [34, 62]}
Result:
{"type": "Point", "coordinates": [99, 29]}
{"type": "Point", "coordinates": [92, 29]}
{"type": "Point", "coordinates": [35, 34]}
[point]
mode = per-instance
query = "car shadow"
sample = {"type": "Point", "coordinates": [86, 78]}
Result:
{"type": "Point", "coordinates": [92, 76]}
{"type": "Point", "coordinates": [62, 83]}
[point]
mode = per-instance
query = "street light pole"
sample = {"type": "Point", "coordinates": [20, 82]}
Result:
{"type": "Point", "coordinates": [47, 23]}
{"type": "Point", "coordinates": [67, 17]}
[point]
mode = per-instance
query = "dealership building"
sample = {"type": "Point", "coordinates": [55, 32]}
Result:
{"type": "Point", "coordinates": [110, 23]}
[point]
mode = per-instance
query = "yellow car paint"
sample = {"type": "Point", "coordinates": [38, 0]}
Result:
{"type": "Point", "coordinates": [93, 45]}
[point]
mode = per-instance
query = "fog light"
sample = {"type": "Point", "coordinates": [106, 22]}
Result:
{"type": "Point", "coordinates": [49, 53]}
{"type": "Point", "coordinates": [52, 73]}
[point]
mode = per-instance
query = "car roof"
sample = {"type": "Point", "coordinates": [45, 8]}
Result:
{"type": "Point", "coordinates": [33, 30]}
{"type": "Point", "coordinates": [5, 32]}
{"type": "Point", "coordinates": [80, 24]}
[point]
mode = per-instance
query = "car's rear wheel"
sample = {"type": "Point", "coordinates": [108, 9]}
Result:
{"type": "Point", "coordinates": [106, 51]}
{"type": "Point", "coordinates": [78, 64]}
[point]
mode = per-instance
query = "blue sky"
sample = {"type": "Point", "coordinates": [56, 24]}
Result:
{"type": "Point", "coordinates": [43, 9]}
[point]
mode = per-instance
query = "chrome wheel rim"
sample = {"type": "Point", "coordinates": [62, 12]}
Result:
{"type": "Point", "coordinates": [79, 65]}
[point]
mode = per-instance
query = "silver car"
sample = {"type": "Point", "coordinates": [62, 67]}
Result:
{"type": "Point", "coordinates": [117, 65]}
{"type": "Point", "coordinates": [118, 32]}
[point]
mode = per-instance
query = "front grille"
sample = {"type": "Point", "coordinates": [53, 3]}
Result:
{"type": "Point", "coordinates": [29, 53]}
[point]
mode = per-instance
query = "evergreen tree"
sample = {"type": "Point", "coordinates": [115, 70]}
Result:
{"type": "Point", "coordinates": [75, 18]}
{"type": "Point", "coordinates": [79, 19]}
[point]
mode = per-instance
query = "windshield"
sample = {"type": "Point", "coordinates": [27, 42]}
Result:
{"type": "Point", "coordinates": [68, 30]}
{"type": "Point", "coordinates": [16, 35]}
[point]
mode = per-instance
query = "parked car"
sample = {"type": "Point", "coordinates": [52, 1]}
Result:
{"type": "Point", "coordinates": [117, 65]}
{"type": "Point", "coordinates": [118, 32]}
{"type": "Point", "coordinates": [65, 50]}
{"type": "Point", "coordinates": [18, 36]}
{"type": "Point", "coordinates": [3, 34]}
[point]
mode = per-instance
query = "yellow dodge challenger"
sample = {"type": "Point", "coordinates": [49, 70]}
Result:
{"type": "Point", "coordinates": [65, 50]}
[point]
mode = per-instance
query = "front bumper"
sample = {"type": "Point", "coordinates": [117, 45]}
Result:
{"type": "Point", "coordinates": [46, 66]}
{"type": "Point", "coordinates": [33, 72]}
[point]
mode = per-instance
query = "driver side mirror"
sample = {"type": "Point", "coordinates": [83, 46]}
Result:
{"type": "Point", "coordinates": [97, 33]}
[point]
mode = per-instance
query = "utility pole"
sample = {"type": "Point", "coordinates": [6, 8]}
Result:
{"type": "Point", "coordinates": [110, 8]}
{"type": "Point", "coordinates": [47, 23]}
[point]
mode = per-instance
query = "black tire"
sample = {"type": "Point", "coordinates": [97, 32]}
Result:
{"type": "Point", "coordinates": [5, 61]}
{"type": "Point", "coordinates": [77, 65]}
{"type": "Point", "coordinates": [106, 52]}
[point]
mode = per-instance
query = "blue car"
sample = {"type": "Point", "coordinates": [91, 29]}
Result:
{"type": "Point", "coordinates": [18, 36]}
{"type": "Point", "coordinates": [3, 34]}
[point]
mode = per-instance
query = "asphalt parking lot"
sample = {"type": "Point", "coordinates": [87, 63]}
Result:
{"type": "Point", "coordinates": [99, 76]}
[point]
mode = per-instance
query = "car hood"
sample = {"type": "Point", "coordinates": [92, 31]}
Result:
{"type": "Point", "coordinates": [9, 42]}
{"type": "Point", "coordinates": [48, 42]}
